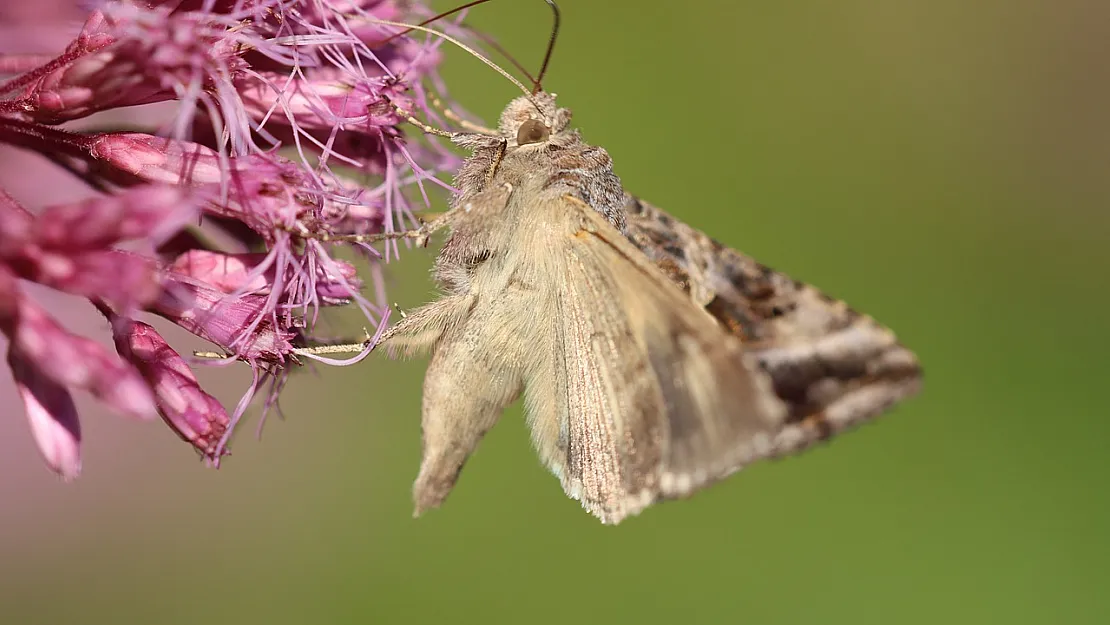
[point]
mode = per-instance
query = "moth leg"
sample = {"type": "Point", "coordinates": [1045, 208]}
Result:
{"type": "Point", "coordinates": [428, 228]}
{"type": "Point", "coordinates": [421, 234]}
{"type": "Point", "coordinates": [422, 328]}
{"type": "Point", "coordinates": [437, 222]}
{"type": "Point", "coordinates": [426, 216]}
{"type": "Point", "coordinates": [495, 163]}
{"type": "Point", "coordinates": [469, 382]}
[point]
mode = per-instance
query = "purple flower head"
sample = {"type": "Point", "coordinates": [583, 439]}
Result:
{"type": "Point", "coordinates": [276, 128]}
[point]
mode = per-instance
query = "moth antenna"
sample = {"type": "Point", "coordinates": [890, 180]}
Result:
{"type": "Point", "coordinates": [456, 42]}
{"type": "Point", "coordinates": [429, 21]}
{"type": "Point", "coordinates": [537, 84]}
{"type": "Point", "coordinates": [498, 48]}
{"type": "Point", "coordinates": [458, 119]}
{"type": "Point", "coordinates": [486, 39]}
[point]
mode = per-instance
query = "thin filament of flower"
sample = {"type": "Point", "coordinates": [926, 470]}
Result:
{"type": "Point", "coordinates": [450, 39]}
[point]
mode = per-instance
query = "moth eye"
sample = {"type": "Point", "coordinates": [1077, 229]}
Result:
{"type": "Point", "coordinates": [532, 131]}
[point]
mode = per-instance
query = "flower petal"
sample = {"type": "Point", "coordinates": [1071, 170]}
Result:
{"type": "Point", "coordinates": [52, 416]}
{"type": "Point", "coordinates": [197, 417]}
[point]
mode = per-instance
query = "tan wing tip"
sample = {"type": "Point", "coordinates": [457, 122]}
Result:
{"type": "Point", "coordinates": [420, 507]}
{"type": "Point", "coordinates": [618, 509]}
{"type": "Point", "coordinates": [429, 494]}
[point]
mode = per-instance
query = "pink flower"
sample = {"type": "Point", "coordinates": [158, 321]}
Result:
{"type": "Point", "coordinates": [71, 247]}
{"type": "Point", "coordinates": [37, 341]}
{"type": "Point", "coordinates": [284, 129]}
{"type": "Point", "coordinates": [197, 417]}
{"type": "Point", "coordinates": [52, 416]}
{"type": "Point", "coordinates": [239, 273]}
{"type": "Point", "coordinates": [234, 324]}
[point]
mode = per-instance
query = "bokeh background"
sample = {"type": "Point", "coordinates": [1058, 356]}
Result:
{"type": "Point", "coordinates": [940, 164]}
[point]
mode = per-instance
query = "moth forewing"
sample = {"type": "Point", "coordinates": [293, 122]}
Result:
{"type": "Point", "coordinates": [659, 399]}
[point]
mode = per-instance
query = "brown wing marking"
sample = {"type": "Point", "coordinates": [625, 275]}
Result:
{"type": "Point", "coordinates": [832, 366]}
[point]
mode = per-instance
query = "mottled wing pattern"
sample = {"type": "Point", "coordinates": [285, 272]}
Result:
{"type": "Point", "coordinates": [833, 367]}
{"type": "Point", "coordinates": [654, 398]}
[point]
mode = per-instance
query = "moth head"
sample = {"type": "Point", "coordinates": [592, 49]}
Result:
{"type": "Point", "coordinates": [533, 119]}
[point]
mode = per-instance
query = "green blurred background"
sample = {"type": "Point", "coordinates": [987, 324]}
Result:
{"type": "Point", "coordinates": [941, 165]}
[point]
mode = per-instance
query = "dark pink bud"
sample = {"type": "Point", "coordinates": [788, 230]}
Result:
{"type": "Point", "coordinates": [73, 361]}
{"type": "Point", "coordinates": [16, 225]}
{"type": "Point", "coordinates": [154, 212]}
{"type": "Point", "coordinates": [68, 247]}
{"type": "Point", "coordinates": [52, 416]}
{"type": "Point", "coordinates": [197, 417]}
{"type": "Point", "coordinates": [119, 277]}
{"type": "Point", "coordinates": [157, 159]}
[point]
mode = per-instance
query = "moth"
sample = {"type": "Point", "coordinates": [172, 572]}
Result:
{"type": "Point", "coordinates": [653, 360]}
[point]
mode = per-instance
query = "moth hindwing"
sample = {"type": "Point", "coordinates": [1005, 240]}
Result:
{"type": "Point", "coordinates": [653, 360]}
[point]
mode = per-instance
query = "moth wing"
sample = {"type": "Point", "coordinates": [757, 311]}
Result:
{"type": "Point", "coordinates": [833, 367]}
{"type": "Point", "coordinates": [653, 398]}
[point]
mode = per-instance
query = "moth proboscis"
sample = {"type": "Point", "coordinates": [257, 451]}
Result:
{"type": "Point", "coordinates": [652, 359]}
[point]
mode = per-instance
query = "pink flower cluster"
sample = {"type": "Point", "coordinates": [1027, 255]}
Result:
{"type": "Point", "coordinates": [263, 127]}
